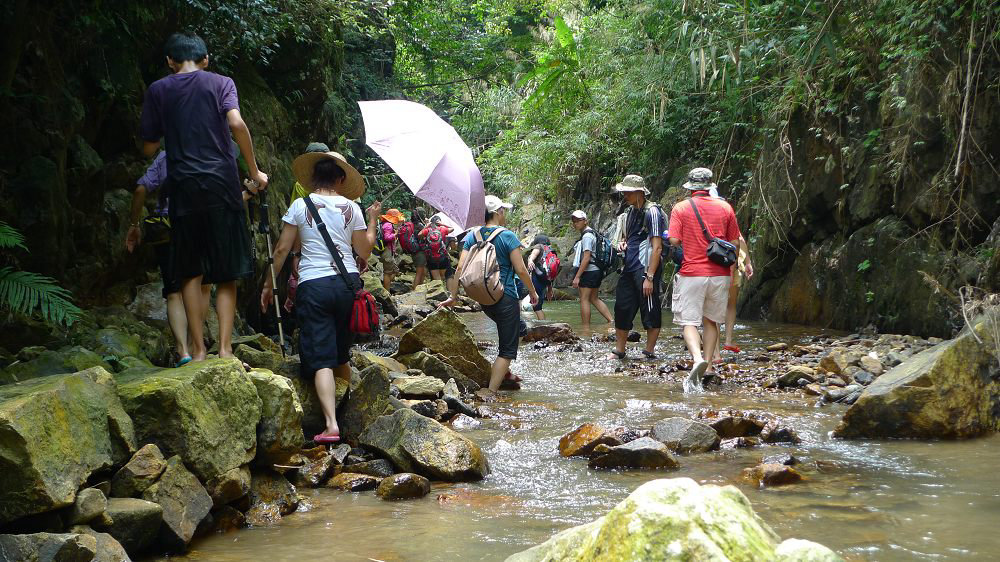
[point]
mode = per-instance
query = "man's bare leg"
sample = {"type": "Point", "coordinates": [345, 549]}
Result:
{"type": "Point", "coordinates": [601, 307]}
{"type": "Point", "coordinates": [194, 310]}
{"type": "Point", "coordinates": [225, 308]}
{"type": "Point", "coordinates": [177, 319]}
{"type": "Point", "coordinates": [585, 297]}
{"type": "Point", "coordinates": [500, 367]}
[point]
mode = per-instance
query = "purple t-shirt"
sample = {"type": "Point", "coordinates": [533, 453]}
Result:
{"type": "Point", "coordinates": [153, 179]}
{"type": "Point", "coordinates": [188, 110]}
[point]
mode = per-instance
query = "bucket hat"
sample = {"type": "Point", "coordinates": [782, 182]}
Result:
{"type": "Point", "coordinates": [394, 216]}
{"type": "Point", "coordinates": [700, 179]}
{"type": "Point", "coordinates": [302, 169]}
{"type": "Point", "coordinates": [631, 182]}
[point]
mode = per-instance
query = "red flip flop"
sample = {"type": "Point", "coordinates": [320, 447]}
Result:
{"type": "Point", "coordinates": [732, 348]}
{"type": "Point", "coordinates": [324, 439]}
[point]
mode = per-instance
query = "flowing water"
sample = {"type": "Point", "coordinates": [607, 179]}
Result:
{"type": "Point", "coordinates": [889, 500]}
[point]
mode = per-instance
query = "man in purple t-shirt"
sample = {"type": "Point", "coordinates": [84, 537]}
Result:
{"type": "Point", "coordinates": [195, 112]}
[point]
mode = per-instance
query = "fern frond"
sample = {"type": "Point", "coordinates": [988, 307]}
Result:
{"type": "Point", "coordinates": [10, 237]}
{"type": "Point", "coordinates": [25, 293]}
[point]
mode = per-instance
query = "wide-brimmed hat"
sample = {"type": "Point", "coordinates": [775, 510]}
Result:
{"type": "Point", "coordinates": [302, 169]}
{"type": "Point", "coordinates": [699, 179]}
{"type": "Point", "coordinates": [631, 182]}
{"type": "Point", "coordinates": [394, 216]}
{"type": "Point", "coordinates": [493, 203]}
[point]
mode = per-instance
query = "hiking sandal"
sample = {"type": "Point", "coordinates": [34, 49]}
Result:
{"type": "Point", "coordinates": [649, 354]}
{"type": "Point", "coordinates": [620, 355]}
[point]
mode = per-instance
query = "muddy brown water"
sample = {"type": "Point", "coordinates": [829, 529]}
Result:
{"type": "Point", "coordinates": [888, 500]}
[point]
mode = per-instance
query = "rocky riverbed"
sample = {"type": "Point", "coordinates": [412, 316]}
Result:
{"type": "Point", "coordinates": [119, 456]}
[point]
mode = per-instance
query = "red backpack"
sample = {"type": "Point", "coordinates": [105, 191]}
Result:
{"type": "Point", "coordinates": [408, 238]}
{"type": "Point", "coordinates": [436, 247]}
{"type": "Point", "coordinates": [551, 262]}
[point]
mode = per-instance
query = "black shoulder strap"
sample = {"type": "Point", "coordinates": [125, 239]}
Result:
{"type": "Point", "coordinates": [704, 229]}
{"type": "Point", "coordinates": [333, 249]}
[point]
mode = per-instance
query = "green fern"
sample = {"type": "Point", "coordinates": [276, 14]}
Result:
{"type": "Point", "coordinates": [25, 292]}
{"type": "Point", "coordinates": [10, 238]}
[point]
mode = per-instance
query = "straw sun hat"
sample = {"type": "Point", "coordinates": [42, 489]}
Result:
{"type": "Point", "coordinates": [302, 169]}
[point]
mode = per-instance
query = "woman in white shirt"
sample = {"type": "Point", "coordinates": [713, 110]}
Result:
{"type": "Point", "coordinates": [323, 300]}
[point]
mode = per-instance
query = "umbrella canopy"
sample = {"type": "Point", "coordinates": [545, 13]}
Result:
{"type": "Point", "coordinates": [428, 155]}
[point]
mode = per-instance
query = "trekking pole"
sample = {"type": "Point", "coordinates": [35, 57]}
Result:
{"type": "Point", "coordinates": [264, 227]}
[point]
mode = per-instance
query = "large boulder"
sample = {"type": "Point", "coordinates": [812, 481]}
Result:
{"type": "Point", "coordinates": [686, 436]}
{"type": "Point", "coordinates": [420, 386]}
{"type": "Point", "coordinates": [673, 519]}
{"type": "Point", "coordinates": [279, 433]}
{"type": "Point", "coordinates": [403, 486]}
{"type": "Point", "coordinates": [950, 391]}
{"type": "Point", "coordinates": [184, 501]}
{"type": "Point", "coordinates": [365, 403]}
{"type": "Point", "coordinates": [108, 549]}
{"type": "Point", "coordinates": [443, 333]}
{"type": "Point", "coordinates": [48, 547]}
{"type": "Point", "coordinates": [139, 473]}
{"type": "Point", "coordinates": [559, 332]}
{"type": "Point", "coordinates": [135, 523]}
{"type": "Point", "coordinates": [49, 362]}
{"type": "Point", "coordinates": [415, 443]}
{"type": "Point", "coordinates": [271, 496]}
{"type": "Point", "coordinates": [206, 412]}
{"type": "Point", "coordinates": [54, 433]}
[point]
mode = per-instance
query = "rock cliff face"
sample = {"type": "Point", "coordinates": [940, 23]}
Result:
{"type": "Point", "coordinates": [73, 83]}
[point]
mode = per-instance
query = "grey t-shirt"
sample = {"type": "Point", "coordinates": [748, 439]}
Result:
{"type": "Point", "coordinates": [588, 242]}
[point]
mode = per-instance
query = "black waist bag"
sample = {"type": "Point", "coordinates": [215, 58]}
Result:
{"type": "Point", "coordinates": [718, 251]}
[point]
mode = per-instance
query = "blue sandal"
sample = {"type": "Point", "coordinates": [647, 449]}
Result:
{"type": "Point", "coordinates": [184, 361]}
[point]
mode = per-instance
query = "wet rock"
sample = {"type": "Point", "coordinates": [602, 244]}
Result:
{"type": "Point", "coordinates": [271, 496]}
{"type": "Point", "coordinates": [456, 405]}
{"type": "Point", "coordinates": [864, 378]}
{"type": "Point", "coordinates": [340, 453]}
{"type": "Point", "coordinates": [108, 549]}
{"type": "Point", "coordinates": [776, 433]}
{"type": "Point", "coordinates": [48, 362]}
{"type": "Point", "coordinates": [798, 550]}
{"type": "Point", "coordinates": [379, 468]}
{"type": "Point", "coordinates": [229, 486]}
{"type": "Point", "coordinates": [444, 333]}
{"type": "Point", "coordinates": [740, 443]}
{"type": "Point", "coordinates": [581, 441]}
{"type": "Point", "coordinates": [135, 523]}
{"type": "Point", "coordinates": [139, 472]}
{"type": "Point", "coordinates": [403, 486]}
{"type": "Point", "coordinates": [48, 547]}
{"type": "Point", "coordinates": [315, 473]}
{"type": "Point", "coordinates": [451, 390]}
{"type": "Point", "coordinates": [206, 412]}
{"type": "Point", "coordinates": [949, 391]}
{"type": "Point", "coordinates": [642, 453]}
{"type": "Point", "coordinates": [435, 366]}
{"type": "Point", "coordinates": [551, 333]}
{"type": "Point", "coordinates": [365, 404]}
{"type": "Point", "coordinates": [628, 434]}
{"type": "Point", "coordinates": [852, 397]}
{"type": "Point", "coordinates": [353, 482]}
{"type": "Point", "coordinates": [837, 394]}
{"type": "Point", "coordinates": [786, 459]}
{"type": "Point", "coordinates": [795, 374]}
{"type": "Point", "coordinates": [777, 347]}
{"type": "Point", "coordinates": [90, 503]}
{"type": "Point", "coordinates": [633, 337]}
{"type": "Point", "coordinates": [279, 432]}
{"type": "Point", "coordinates": [362, 359]}
{"type": "Point", "coordinates": [184, 501]}
{"type": "Point", "coordinates": [872, 365]}
{"type": "Point", "coordinates": [666, 519]}
{"type": "Point", "coordinates": [419, 387]}
{"type": "Point", "coordinates": [736, 425]}
{"type": "Point", "coordinates": [768, 475]}
{"type": "Point", "coordinates": [814, 389]}
{"type": "Point", "coordinates": [54, 433]}
{"type": "Point", "coordinates": [418, 444]}
{"type": "Point", "coordinates": [685, 436]}
{"type": "Point", "coordinates": [423, 407]}
{"type": "Point", "coordinates": [462, 421]}
{"type": "Point", "coordinates": [837, 361]}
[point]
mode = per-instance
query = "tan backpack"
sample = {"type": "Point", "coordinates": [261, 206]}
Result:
{"type": "Point", "coordinates": [480, 276]}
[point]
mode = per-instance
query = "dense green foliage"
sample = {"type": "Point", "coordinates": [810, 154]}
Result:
{"type": "Point", "coordinates": [23, 292]}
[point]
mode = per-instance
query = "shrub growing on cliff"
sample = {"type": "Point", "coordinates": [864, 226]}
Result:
{"type": "Point", "coordinates": [24, 292]}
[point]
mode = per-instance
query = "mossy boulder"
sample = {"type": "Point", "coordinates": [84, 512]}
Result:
{"type": "Point", "coordinates": [48, 547]}
{"type": "Point", "coordinates": [366, 403]}
{"type": "Point", "coordinates": [443, 333]}
{"type": "Point", "coordinates": [184, 501]}
{"type": "Point", "coordinates": [415, 443]}
{"type": "Point", "coordinates": [206, 412]}
{"type": "Point", "coordinates": [436, 366]}
{"type": "Point", "coordinates": [668, 519]}
{"type": "Point", "coordinates": [54, 433]}
{"type": "Point", "coordinates": [950, 391]}
{"type": "Point", "coordinates": [49, 362]}
{"type": "Point", "coordinates": [279, 432]}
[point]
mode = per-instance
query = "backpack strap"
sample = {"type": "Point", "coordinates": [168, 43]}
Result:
{"type": "Point", "coordinates": [493, 234]}
{"type": "Point", "coordinates": [704, 229]}
{"type": "Point", "coordinates": [330, 246]}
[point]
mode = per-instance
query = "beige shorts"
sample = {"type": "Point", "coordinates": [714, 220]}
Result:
{"type": "Point", "coordinates": [390, 263]}
{"type": "Point", "coordinates": [698, 297]}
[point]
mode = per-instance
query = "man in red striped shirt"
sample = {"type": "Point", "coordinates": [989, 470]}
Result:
{"type": "Point", "coordinates": [701, 288]}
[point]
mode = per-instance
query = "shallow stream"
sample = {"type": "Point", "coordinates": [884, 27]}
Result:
{"type": "Point", "coordinates": [890, 500]}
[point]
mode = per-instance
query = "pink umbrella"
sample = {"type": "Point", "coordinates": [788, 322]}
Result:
{"type": "Point", "coordinates": [428, 155]}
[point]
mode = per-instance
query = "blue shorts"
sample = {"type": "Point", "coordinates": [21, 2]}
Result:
{"type": "Point", "coordinates": [323, 308]}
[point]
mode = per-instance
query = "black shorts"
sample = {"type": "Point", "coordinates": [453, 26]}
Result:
{"type": "Point", "coordinates": [507, 315]}
{"type": "Point", "coordinates": [212, 241]}
{"type": "Point", "coordinates": [170, 282]}
{"type": "Point", "coordinates": [591, 279]}
{"type": "Point", "coordinates": [629, 299]}
{"type": "Point", "coordinates": [323, 308]}
{"type": "Point", "coordinates": [443, 263]}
